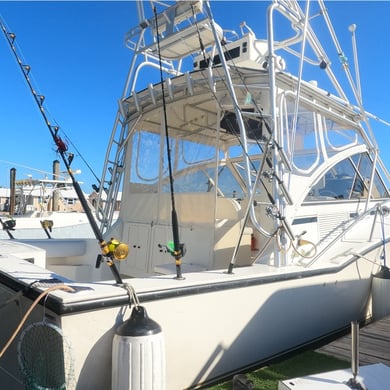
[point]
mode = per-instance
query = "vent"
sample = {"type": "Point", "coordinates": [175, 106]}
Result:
{"type": "Point", "coordinates": [331, 226]}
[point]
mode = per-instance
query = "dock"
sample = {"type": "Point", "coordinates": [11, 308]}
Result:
{"type": "Point", "coordinates": [373, 361]}
{"type": "Point", "coordinates": [374, 344]}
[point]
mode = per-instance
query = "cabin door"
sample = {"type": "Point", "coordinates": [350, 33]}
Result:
{"type": "Point", "coordinates": [137, 236]}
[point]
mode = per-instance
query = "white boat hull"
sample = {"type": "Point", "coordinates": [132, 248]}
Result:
{"type": "Point", "coordinates": [65, 225]}
{"type": "Point", "coordinates": [213, 323]}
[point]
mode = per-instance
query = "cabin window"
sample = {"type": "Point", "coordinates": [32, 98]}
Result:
{"type": "Point", "coordinates": [241, 170]}
{"type": "Point", "coordinates": [349, 179]}
{"type": "Point", "coordinates": [300, 135]}
{"type": "Point", "coordinates": [337, 137]}
{"type": "Point", "coordinates": [192, 181]}
{"type": "Point", "coordinates": [145, 162]}
{"type": "Point", "coordinates": [193, 163]}
{"type": "Point", "coordinates": [364, 164]}
{"type": "Point", "coordinates": [310, 136]}
{"type": "Point", "coordinates": [340, 182]}
{"type": "Point", "coordinates": [194, 167]}
{"type": "Point", "coordinates": [70, 201]}
{"type": "Point", "coordinates": [228, 185]}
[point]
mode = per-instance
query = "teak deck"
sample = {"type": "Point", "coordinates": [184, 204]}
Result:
{"type": "Point", "coordinates": [374, 344]}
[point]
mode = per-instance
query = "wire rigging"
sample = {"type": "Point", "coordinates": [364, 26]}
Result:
{"type": "Point", "coordinates": [39, 98]}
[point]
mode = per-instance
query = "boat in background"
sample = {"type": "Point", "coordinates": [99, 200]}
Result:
{"type": "Point", "coordinates": [255, 208]}
{"type": "Point", "coordinates": [39, 208]}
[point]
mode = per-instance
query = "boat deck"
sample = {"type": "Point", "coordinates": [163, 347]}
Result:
{"type": "Point", "coordinates": [374, 344]}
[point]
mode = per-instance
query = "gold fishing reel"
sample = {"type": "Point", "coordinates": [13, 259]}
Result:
{"type": "Point", "coordinates": [47, 224]}
{"type": "Point", "coordinates": [115, 249]}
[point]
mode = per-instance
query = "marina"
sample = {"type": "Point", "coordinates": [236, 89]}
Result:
{"type": "Point", "coordinates": [374, 344]}
{"type": "Point", "coordinates": [253, 220]}
{"type": "Point", "coordinates": [373, 377]}
{"type": "Point", "coordinates": [367, 349]}
{"type": "Point", "coordinates": [373, 354]}
{"type": "Point", "coordinates": [42, 208]}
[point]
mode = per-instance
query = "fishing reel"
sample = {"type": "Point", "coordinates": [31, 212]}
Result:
{"type": "Point", "coordinates": [113, 250]}
{"type": "Point", "coordinates": [47, 224]}
{"type": "Point", "coordinates": [170, 248]}
{"type": "Point", "coordinates": [9, 224]}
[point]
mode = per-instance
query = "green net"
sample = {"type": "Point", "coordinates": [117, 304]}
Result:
{"type": "Point", "coordinates": [45, 358]}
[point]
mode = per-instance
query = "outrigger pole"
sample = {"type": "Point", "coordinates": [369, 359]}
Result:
{"type": "Point", "coordinates": [111, 250]}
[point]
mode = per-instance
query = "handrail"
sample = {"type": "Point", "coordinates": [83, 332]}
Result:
{"type": "Point", "coordinates": [347, 229]}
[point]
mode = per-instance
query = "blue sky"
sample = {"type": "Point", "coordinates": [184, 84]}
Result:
{"type": "Point", "coordinates": [79, 62]}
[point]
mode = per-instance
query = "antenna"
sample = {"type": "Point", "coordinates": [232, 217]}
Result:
{"type": "Point", "coordinates": [352, 29]}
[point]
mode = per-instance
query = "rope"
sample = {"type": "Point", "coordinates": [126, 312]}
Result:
{"type": "Point", "coordinates": [306, 255]}
{"type": "Point", "coordinates": [132, 294]}
{"type": "Point", "coordinates": [300, 242]}
{"type": "Point", "coordinates": [24, 319]}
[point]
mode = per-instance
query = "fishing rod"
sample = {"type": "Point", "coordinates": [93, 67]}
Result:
{"type": "Point", "coordinates": [178, 248]}
{"type": "Point", "coordinates": [113, 250]}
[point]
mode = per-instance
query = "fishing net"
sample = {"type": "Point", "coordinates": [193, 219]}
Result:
{"type": "Point", "coordinates": [45, 358]}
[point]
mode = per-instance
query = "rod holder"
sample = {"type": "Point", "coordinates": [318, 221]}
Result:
{"type": "Point", "coordinates": [353, 383]}
{"type": "Point", "coordinates": [355, 349]}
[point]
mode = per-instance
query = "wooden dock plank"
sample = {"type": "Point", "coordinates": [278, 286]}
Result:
{"type": "Point", "coordinates": [374, 344]}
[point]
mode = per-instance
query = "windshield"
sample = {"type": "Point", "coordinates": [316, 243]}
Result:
{"type": "Point", "coordinates": [349, 179]}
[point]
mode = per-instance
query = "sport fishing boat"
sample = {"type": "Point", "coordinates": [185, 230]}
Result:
{"type": "Point", "coordinates": [254, 213]}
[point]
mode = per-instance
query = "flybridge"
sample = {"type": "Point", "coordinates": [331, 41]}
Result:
{"type": "Point", "coordinates": [185, 29]}
{"type": "Point", "coordinates": [181, 27]}
{"type": "Point", "coordinates": [244, 52]}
